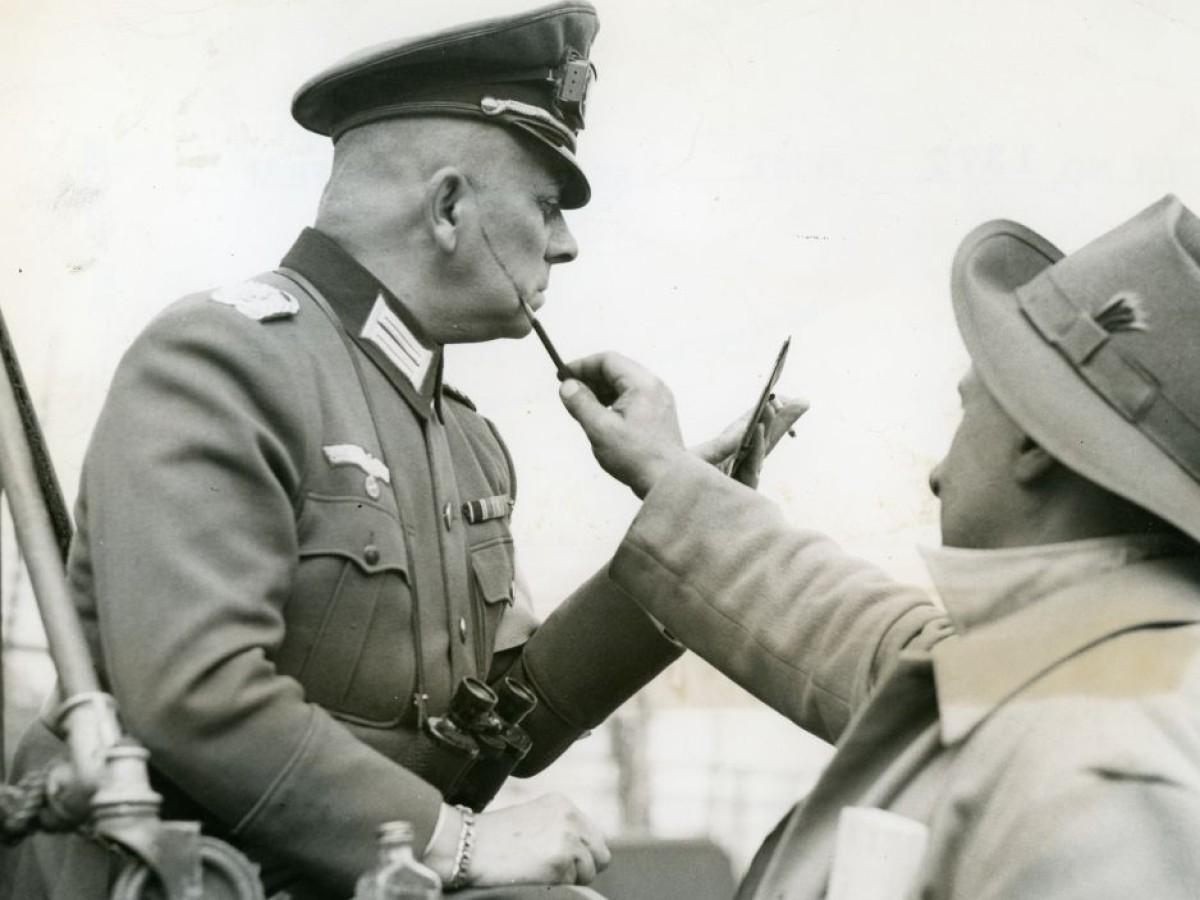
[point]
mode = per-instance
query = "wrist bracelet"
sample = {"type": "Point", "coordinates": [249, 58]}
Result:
{"type": "Point", "coordinates": [460, 876]}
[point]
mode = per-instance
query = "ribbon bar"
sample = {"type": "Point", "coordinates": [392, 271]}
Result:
{"type": "Point", "coordinates": [476, 511]}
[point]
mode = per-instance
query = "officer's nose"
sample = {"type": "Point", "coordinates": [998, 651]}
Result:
{"type": "Point", "coordinates": [935, 480]}
{"type": "Point", "coordinates": [561, 247]}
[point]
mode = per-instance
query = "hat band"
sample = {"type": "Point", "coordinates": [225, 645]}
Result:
{"type": "Point", "coordinates": [507, 111]}
{"type": "Point", "coordinates": [400, 110]}
{"type": "Point", "coordinates": [1124, 384]}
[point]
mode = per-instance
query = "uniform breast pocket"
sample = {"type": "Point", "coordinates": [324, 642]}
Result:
{"type": "Point", "coordinates": [492, 559]}
{"type": "Point", "coordinates": [348, 634]}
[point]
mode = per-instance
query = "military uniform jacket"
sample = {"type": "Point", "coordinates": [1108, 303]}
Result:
{"type": "Point", "coordinates": [1052, 752]}
{"type": "Point", "coordinates": [291, 539]}
{"type": "Point", "coordinates": [295, 502]}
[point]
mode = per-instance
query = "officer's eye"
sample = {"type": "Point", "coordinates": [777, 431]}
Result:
{"type": "Point", "coordinates": [550, 208]}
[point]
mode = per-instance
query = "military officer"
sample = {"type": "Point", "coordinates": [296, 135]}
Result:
{"type": "Point", "coordinates": [1037, 736]}
{"type": "Point", "coordinates": [293, 537]}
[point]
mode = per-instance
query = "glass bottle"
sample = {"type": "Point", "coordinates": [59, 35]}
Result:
{"type": "Point", "coordinates": [398, 875]}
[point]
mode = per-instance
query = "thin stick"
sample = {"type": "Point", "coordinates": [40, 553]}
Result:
{"type": "Point", "coordinates": [563, 372]}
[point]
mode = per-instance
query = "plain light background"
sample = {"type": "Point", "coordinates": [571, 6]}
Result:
{"type": "Point", "coordinates": [760, 169]}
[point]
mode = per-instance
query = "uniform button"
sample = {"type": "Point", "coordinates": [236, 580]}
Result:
{"type": "Point", "coordinates": [448, 515]}
{"type": "Point", "coordinates": [462, 629]}
{"type": "Point", "coordinates": [371, 554]}
{"type": "Point", "coordinates": [372, 487]}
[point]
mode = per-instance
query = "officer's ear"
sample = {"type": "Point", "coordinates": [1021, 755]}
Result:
{"type": "Point", "coordinates": [1032, 463]}
{"type": "Point", "coordinates": [446, 195]}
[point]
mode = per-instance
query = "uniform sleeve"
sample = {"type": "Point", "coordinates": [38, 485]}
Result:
{"type": "Point", "coordinates": [781, 611]}
{"type": "Point", "coordinates": [190, 537]}
{"type": "Point", "coordinates": [595, 651]}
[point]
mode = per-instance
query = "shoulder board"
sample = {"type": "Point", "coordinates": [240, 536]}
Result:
{"type": "Point", "coordinates": [258, 301]}
{"type": "Point", "coordinates": [455, 394]}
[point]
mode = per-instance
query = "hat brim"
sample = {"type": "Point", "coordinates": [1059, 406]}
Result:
{"type": "Point", "coordinates": [1040, 390]}
{"type": "Point", "coordinates": [576, 189]}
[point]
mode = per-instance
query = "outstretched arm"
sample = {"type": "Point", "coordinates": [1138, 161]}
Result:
{"type": "Point", "coordinates": [782, 611]}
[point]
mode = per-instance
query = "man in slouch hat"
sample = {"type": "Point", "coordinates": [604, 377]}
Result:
{"type": "Point", "coordinates": [1039, 734]}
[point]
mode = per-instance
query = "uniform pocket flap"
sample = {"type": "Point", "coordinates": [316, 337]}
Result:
{"type": "Point", "coordinates": [493, 566]}
{"type": "Point", "coordinates": [354, 529]}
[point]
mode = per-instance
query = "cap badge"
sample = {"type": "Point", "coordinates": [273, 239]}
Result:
{"type": "Point", "coordinates": [353, 455]}
{"type": "Point", "coordinates": [258, 301]}
{"type": "Point", "coordinates": [573, 78]}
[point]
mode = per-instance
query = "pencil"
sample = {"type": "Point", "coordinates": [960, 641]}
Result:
{"type": "Point", "coordinates": [559, 366]}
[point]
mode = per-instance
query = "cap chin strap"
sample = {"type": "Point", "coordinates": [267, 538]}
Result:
{"type": "Point", "coordinates": [533, 116]}
{"type": "Point", "coordinates": [491, 248]}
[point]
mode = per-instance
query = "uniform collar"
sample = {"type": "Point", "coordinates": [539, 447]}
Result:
{"type": "Point", "coordinates": [978, 670]}
{"type": "Point", "coordinates": [977, 586]}
{"type": "Point", "coordinates": [373, 317]}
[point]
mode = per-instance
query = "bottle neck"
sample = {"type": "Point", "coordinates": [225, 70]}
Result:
{"type": "Point", "coordinates": [390, 853]}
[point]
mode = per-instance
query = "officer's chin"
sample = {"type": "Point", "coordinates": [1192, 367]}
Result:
{"type": "Point", "coordinates": [521, 324]}
{"type": "Point", "coordinates": [520, 329]}
{"type": "Point", "coordinates": [512, 328]}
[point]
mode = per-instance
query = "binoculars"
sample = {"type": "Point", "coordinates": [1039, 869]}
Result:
{"type": "Point", "coordinates": [469, 752]}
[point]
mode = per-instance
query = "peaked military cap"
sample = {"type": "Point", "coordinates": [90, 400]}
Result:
{"type": "Point", "coordinates": [529, 72]}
